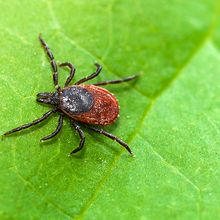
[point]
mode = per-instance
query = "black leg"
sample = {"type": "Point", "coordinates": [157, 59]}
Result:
{"type": "Point", "coordinates": [111, 136]}
{"type": "Point", "coordinates": [82, 138]}
{"type": "Point", "coordinates": [58, 129]}
{"type": "Point", "coordinates": [116, 81]}
{"type": "Point", "coordinates": [93, 75]}
{"type": "Point", "coordinates": [72, 72]}
{"type": "Point", "coordinates": [52, 62]}
{"type": "Point", "coordinates": [37, 121]}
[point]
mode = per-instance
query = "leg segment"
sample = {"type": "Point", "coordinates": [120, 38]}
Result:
{"type": "Point", "coordinates": [52, 62]}
{"type": "Point", "coordinates": [72, 72]}
{"type": "Point", "coordinates": [82, 138]}
{"type": "Point", "coordinates": [93, 75]}
{"type": "Point", "coordinates": [35, 122]}
{"type": "Point", "coordinates": [111, 136]}
{"type": "Point", "coordinates": [116, 81]}
{"type": "Point", "coordinates": [58, 129]}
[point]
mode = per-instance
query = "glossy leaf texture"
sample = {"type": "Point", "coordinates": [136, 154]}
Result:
{"type": "Point", "coordinates": [170, 116]}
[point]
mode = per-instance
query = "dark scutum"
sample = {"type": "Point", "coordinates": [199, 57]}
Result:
{"type": "Point", "coordinates": [76, 100]}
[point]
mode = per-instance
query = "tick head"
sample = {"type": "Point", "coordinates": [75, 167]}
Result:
{"type": "Point", "coordinates": [48, 98]}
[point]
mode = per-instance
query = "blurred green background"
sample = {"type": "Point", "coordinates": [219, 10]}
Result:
{"type": "Point", "coordinates": [170, 117]}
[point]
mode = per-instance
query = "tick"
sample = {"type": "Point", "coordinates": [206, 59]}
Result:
{"type": "Point", "coordinates": [85, 105]}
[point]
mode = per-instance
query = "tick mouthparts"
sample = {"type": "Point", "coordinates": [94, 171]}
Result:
{"type": "Point", "coordinates": [41, 99]}
{"type": "Point", "coordinates": [132, 154]}
{"type": "Point", "coordinates": [44, 97]}
{"type": "Point", "coordinates": [44, 94]}
{"type": "Point", "coordinates": [48, 98]}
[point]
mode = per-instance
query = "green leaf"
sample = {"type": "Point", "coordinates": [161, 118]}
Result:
{"type": "Point", "coordinates": [170, 117]}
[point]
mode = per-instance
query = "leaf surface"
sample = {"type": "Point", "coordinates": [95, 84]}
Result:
{"type": "Point", "coordinates": [170, 116]}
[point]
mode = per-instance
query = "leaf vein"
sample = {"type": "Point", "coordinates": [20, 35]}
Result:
{"type": "Point", "coordinates": [110, 32]}
{"type": "Point", "coordinates": [96, 58]}
{"type": "Point", "coordinates": [33, 188]}
{"type": "Point", "coordinates": [113, 165]}
{"type": "Point", "coordinates": [172, 167]}
{"type": "Point", "coordinates": [53, 15]}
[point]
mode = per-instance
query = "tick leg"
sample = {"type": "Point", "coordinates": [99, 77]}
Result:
{"type": "Point", "coordinates": [117, 81]}
{"type": "Point", "coordinates": [52, 62]}
{"type": "Point", "coordinates": [58, 129]}
{"type": "Point", "coordinates": [111, 136]}
{"type": "Point", "coordinates": [93, 75]}
{"type": "Point", "coordinates": [82, 138]}
{"type": "Point", "coordinates": [35, 122]}
{"type": "Point", "coordinates": [72, 72]}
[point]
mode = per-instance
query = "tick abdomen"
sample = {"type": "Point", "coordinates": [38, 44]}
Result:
{"type": "Point", "coordinates": [90, 104]}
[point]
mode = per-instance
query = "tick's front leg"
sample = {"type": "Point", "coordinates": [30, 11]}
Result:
{"type": "Point", "coordinates": [35, 122]}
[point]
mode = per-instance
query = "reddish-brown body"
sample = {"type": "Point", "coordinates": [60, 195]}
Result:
{"type": "Point", "coordinates": [104, 110]}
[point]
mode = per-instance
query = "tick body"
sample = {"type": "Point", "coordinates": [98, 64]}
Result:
{"type": "Point", "coordinates": [89, 104]}
{"type": "Point", "coordinates": [84, 104]}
